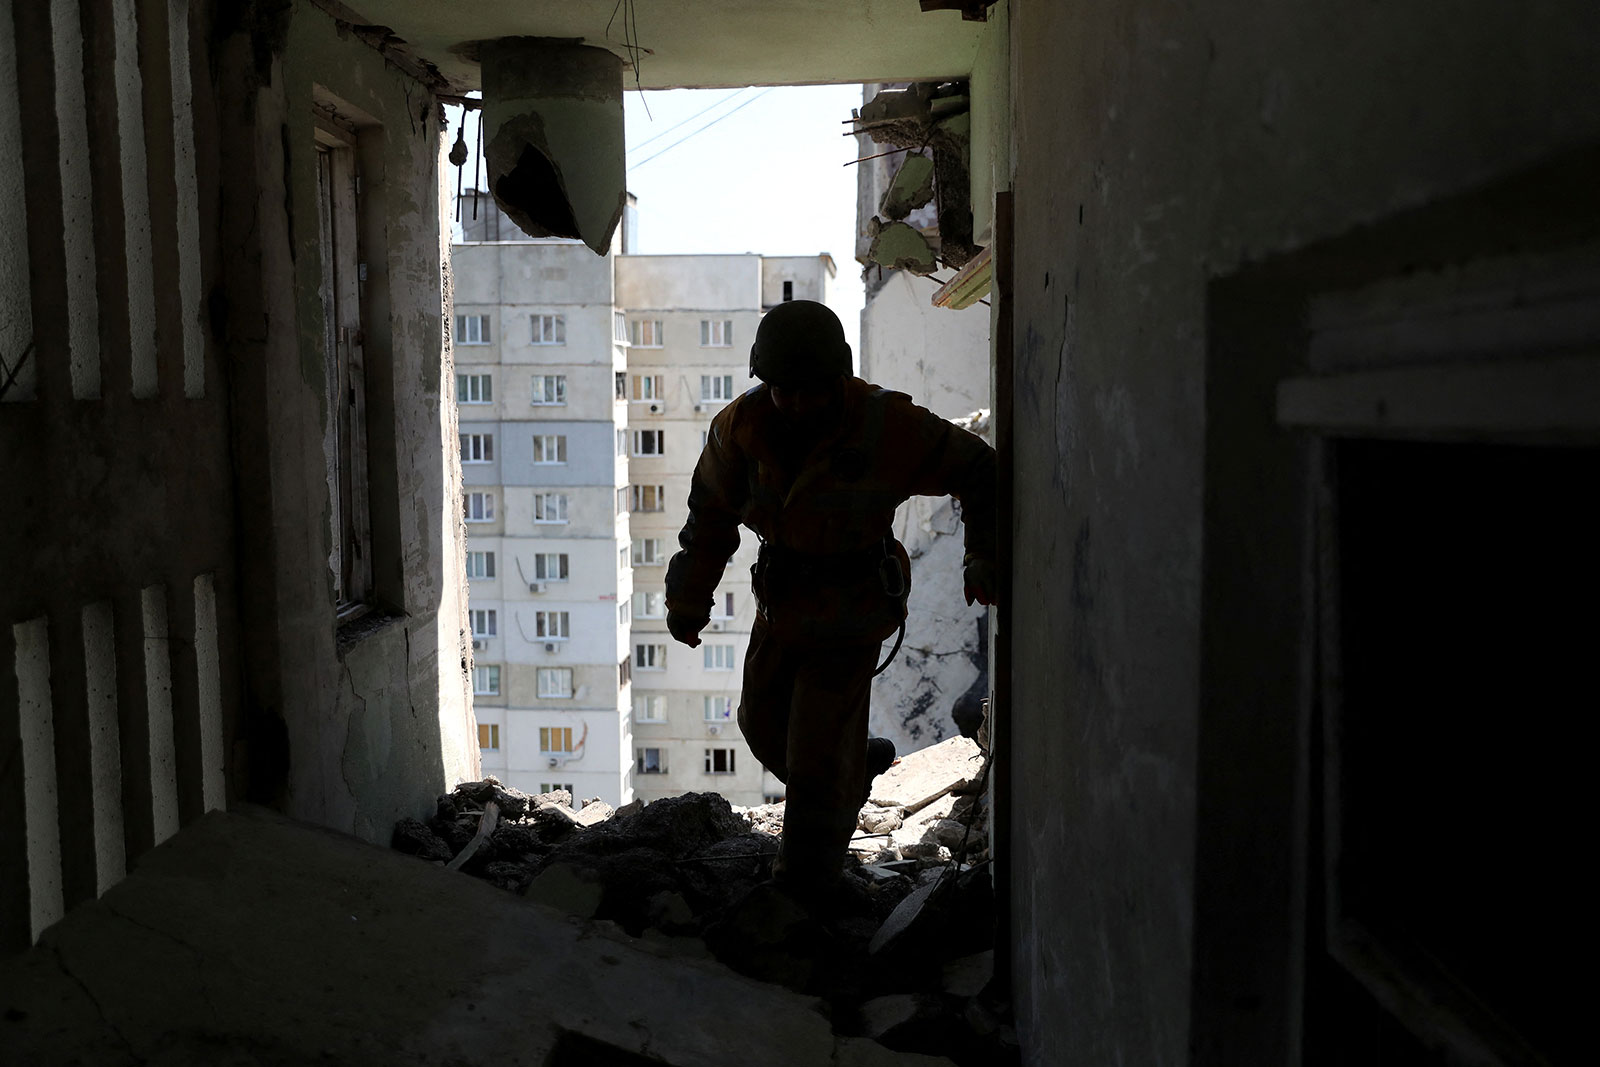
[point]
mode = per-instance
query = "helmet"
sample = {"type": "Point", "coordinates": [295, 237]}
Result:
{"type": "Point", "coordinates": [799, 342]}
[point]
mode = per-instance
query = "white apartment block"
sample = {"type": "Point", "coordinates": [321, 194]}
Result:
{"type": "Point", "coordinates": [585, 386]}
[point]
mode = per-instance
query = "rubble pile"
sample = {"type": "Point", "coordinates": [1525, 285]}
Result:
{"type": "Point", "coordinates": [902, 953]}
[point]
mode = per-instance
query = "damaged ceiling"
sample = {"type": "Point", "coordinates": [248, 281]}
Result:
{"type": "Point", "coordinates": [700, 43]}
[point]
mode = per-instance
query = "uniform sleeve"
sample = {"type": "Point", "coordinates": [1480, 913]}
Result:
{"type": "Point", "coordinates": [959, 464]}
{"type": "Point", "coordinates": [710, 536]}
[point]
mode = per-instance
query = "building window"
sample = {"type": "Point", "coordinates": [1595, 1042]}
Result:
{"type": "Point", "coordinates": [555, 739]}
{"type": "Point", "coordinates": [555, 683]}
{"type": "Point", "coordinates": [477, 448]}
{"type": "Point", "coordinates": [550, 448]}
{"type": "Point", "coordinates": [551, 625]}
{"type": "Point", "coordinates": [551, 787]}
{"type": "Point", "coordinates": [345, 436]}
{"type": "Point", "coordinates": [716, 333]}
{"type": "Point", "coordinates": [718, 709]}
{"type": "Point", "coordinates": [719, 761]}
{"type": "Point", "coordinates": [549, 389]}
{"type": "Point", "coordinates": [650, 657]}
{"type": "Point", "coordinates": [549, 507]}
{"type": "Point", "coordinates": [649, 442]}
{"type": "Point", "coordinates": [647, 387]}
{"type": "Point", "coordinates": [646, 333]}
{"type": "Point", "coordinates": [474, 389]}
{"type": "Point", "coordinates": [622, 557]}
{"type": "Point", "coordinates": [650, 761]}
{"type": "Point", "coordinates": [716, 387]}
{"type": "Point", "coordinates": [788, 291]}
{"type": "Point", "coordinates": [622, 442]}
{"type": "Point", "coordinates": [478, 507]}
{"type": "Point", "coordinates": [619, 327]}
{"type": "Point", "coordinates": [483, 622]}
{"type": "Point", "coordinates": [480, 564]}
{"type": "Point", "coordinates": [622, 500]}
{"type": "Point", "coordinates": [647, 552]}
{"type": "Point", "coordinates": [649, 498]}
{"type": "Point", "coordinates": [550, 567]}
{"type": "Point", "coordinates": [624, 670]}
{"type": "Point", "coordinates": [622, 611]}
{"type": "Point", "coordinates": [488, 736]}
{"type": "Point", "coordinates": [650, 605]}
{"type": "Point", "coordinates": [723, 608]}
{"type": "Point", "coordinates": [549, 329]}
{"type": "Point", "coordinates": [472, 329]}
{"type": "Point", "coordinates": [718, 657]}
{"type": "Point", "coordinates": [486, 681]}
{"type": "Point", "coordinates": [649, 707]}
{"type": "Point", "coordinates": [622, 385]}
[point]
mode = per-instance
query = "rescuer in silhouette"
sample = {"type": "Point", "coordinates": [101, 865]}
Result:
{"type": "Point", "coordinates": [815, 461]}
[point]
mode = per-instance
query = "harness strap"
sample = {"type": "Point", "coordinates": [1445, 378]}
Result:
{"type": "Point", "coordinates": [899, 637]}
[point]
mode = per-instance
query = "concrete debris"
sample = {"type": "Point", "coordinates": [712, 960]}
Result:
{"type": "Point", "coordinates": [922, 777]}
{"type": "Point", "coordinates": [692, 875]}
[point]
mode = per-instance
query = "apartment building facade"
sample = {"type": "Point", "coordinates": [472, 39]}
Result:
{"type": "Point", "coordinates": [585, 388]}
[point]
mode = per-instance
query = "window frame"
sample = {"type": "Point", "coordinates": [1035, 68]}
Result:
{"type": "Point", "coordinates": [490, 671]}
{"type": "Point", "coordinates": [475, 388]}
{"type": "Point", "coordinates": [489, 732]}
{"type": "Point", "coordinates": [726, 714]}
{"type": "Point", "coordinates": [548, 620]}
{"type": "Point", "coordinates": [542, 505]}
{"type": "Point", "coordinates": [486, 510]}
{"type": "Point", "coordinates": [557, 331]}
{"type": "Point", "coordinates": [652, 547]}
{"type": "Point", "coordinates": [485, 331]}
{"type": "Point", "coordinates": [660, 762]}
{"type": "Point", "coordinates": [541, 384]}
{"type": "Point", "coordinates": [490, 619]}
{"type": "Point", "coordinates": [545, 692]}
{"type": "Point", "coordinates": [646, 716]}
{"type": "Point", "coordinates": [647, 388]}
{"type": "Point", "coordinates": [638, 437]}
{"type": "Point", "coordinates": [713, 329]}
{"type": "Point", "coordinates": [714, 651]}
{"type": "Point", "coordinates": [637, 331]}
{"type": "Point", "coordinates": [542, 446]}
{"type": "Point", "coordinates": [644, 598]}
{"type": "Point", "coordinates": [542, 562]}
{"type": "Point", "coordinates": [476, 447]}
{"type": "Point", "coordinates": [548, 734]}
{"type": "Point", "coordinates": [714, 755]}
{"type": "Point", "coordinates": [636, 495]}
{"type": "Point", "coordinates": [657, 656]}
{"type": "Point", "coordinates": [712, 384]}
{"type": "Point", "coordinates": [485, 560]}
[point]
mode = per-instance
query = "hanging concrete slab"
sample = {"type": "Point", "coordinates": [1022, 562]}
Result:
{"type": "Point", "coordinates": [899, 246]}
{"type": "Point", "coordinates": [911, 187]}
{"type": "Point", "coordinates": [552, 114]}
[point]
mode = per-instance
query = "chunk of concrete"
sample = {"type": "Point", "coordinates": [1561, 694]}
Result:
{"type": "Point", "coordinates": [911, 187]}
{"type": "Point", "coordinates": [927, 774]}
{"type": "Point", "coordinates": [882, 1014]}
{"type": "Point", "coordinates": [899, 246]}
{"type": "Point", "coordinates": [875, 820]}
{"type": "Point", "coordinates": [594, 811]}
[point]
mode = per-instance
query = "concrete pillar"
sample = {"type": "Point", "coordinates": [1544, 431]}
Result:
{"type": "Point", "coordinates": [552, 116]}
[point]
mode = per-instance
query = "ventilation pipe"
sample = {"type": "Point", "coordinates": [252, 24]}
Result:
{"type": "Point", "coordinates": [552, 114]}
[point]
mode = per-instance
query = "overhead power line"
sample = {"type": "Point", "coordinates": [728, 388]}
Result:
{"type": "Point", "coordinates": [702, 129]}
{"type": "Point", "coordinates": [691, 118]}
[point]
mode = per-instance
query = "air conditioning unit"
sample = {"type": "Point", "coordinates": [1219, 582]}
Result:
{"type": "Point", "coordinates": [717, 627]}
{"type": "Point", "coordinates": [655, 409]}
{"type": "Point", "coordinates": [715, 729]}
{"type": "Point", "coordinates": [549, 646]}
{"type": "Point", "coordinates": [535, 587]}
{"type": "Point", "coordinates": [554, 762]}
{"type": "Point", "coordinates": [697, 407]}
{"type": "Point", "coordinates": [478, 643]}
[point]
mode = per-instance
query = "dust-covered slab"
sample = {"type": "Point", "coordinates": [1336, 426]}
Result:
{"type": "Point", "coordinates": [928, 774]}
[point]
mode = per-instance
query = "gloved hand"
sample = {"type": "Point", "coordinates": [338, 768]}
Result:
{"type": "Point", "coordinates": [980, 581]}
{"type": "Point", "coordinates": [686, 628]}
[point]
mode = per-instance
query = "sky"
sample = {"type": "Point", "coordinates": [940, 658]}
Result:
{"type": "Point", "coordinates": [744, 170]}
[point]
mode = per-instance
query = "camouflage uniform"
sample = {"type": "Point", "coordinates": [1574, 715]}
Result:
{"type": "Point", "coordinates": [830, 584]}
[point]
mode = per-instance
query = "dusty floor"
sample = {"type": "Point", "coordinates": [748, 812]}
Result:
{"type": "Point", "coordinates": [251, 939]}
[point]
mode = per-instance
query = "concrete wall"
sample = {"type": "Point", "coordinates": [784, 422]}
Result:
{"type": "Point", "coordinates": [1160, 150]}
{"type": "Point", "coordinates": [376, 728]}
{"type": "Point", "coordinates": [666, 283]}
{"type": "Point", "coordinates": [939, 356]}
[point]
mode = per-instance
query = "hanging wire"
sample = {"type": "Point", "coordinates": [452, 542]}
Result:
{"type": "Point", "coordinates": [477, 165]}
{"type": "Point", "coordinates": [691, 118]}
{"type": "Point", "coordinates": [630, 44]}
{"type": "Point", "coordinates": [702, 129]}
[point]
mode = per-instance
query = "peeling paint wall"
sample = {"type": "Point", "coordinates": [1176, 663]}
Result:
{"type": "Point", "coordinates": [1160, 147]}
